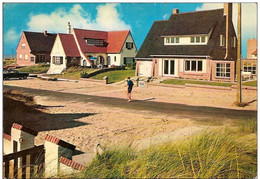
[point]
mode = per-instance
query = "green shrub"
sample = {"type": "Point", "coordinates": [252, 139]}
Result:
{"type": "Point", "coordinates": [83, 74]}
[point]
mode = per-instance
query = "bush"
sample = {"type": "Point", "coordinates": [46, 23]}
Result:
{"type": "Point", "coordinates": [83, 74]}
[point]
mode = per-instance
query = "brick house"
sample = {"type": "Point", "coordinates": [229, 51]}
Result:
{"type": "Point", "coordinates": [92, 48]}
{"type": "Point", "coordinates": [34, 48]}
{"type": "Point", "coordinates": [250, 63]}
{"type": "Point", "coordinates": [194, 45]}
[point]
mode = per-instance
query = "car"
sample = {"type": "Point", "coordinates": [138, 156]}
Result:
{"type": "Point", "coordinates": [7, 74]}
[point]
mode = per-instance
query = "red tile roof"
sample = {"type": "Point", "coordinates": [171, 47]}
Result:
{"type": "Point", "coordinates": [60, 142]}
{"type": "Point", "coordinates": [6, 136]}
{"type": "Point", "coordinates": [72, 164]}
{"type": "Point", "coordinates": [82, 34]}
{"type": "Point", "coordinates": [116, 41]}
{"type": "Point", "coordinates": [255, 52]}
{"type": "Point", "coordinates": [25, 129]}
{"type": "Point", "coordinates": [69, 45]}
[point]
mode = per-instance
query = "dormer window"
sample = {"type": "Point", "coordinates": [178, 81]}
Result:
{"type": "Point", "coordinates": [172, 40]}
{"type": "Point", "coordinates": [198, 39]}
{"type": "Point", "coordinates": [96, 42]}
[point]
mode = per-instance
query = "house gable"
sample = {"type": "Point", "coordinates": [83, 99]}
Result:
{"type": "Point", "coordinates": [57, 49]}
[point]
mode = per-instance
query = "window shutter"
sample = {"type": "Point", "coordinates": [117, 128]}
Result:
{"type": "Point", "coordinates": [61, 60]}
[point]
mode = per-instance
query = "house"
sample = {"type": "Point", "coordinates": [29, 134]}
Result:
{"type": "Point", "coordinates": [193, 45]}
{"type": "Point", "coordinates": [249, 65]}
{"type": "Point", "coordinates": [34, 48]}
{"type": "Point", "coordinates": [92, 48]}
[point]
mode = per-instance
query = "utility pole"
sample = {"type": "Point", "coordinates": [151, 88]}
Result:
{"type": "Point", "coordinates": [239, 79]}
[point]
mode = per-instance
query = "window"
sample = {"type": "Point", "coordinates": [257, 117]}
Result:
{"type": "Point", "coordinates": [250, 67]}
{"type": "Point", "coordinates": [96, 42]}
{"type": "Point", "coordinates": [108, 60]}
{"type": "Point", "coordinates": [57, 60]}
{"type": "Point", "coordinates": [198, 39]}
{"type": "Point", "coordinates": [223, 70]}
{"type": "Point", "coordinates": [32, 59]}
{"type": "Point", "coordinates": [23, 46]}
{"type": "Point", "coordinates": [234, 42]}
{"type": "Point", "coordinates": [114, 58]}
{"type": "Point", "coordinates": [40, 58]}
{"type": "Point", "coordinates": [26, 57]}
{"type": "Point", "coordinates": [172, 40]}
{"type": "Point", "coordinates": [193, 65]}
{"type": "Point", "coordinates": [20, 56]}
{"type": "Point", "coordinates": [129, 45]}
{"type": "Point", "coordinates": [222, 41]}
{"type": "Point", "coordinates": [168, 67]}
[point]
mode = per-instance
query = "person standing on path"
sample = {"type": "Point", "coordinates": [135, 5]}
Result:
{"type": "Point", "coordinates": [130, 85]}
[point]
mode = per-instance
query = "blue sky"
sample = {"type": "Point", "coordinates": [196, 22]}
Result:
{"type": "Point", "coordinates": [138, 17]}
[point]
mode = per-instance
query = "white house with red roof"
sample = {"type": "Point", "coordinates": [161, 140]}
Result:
{"type": "Point", "coordinates": [92, 48]}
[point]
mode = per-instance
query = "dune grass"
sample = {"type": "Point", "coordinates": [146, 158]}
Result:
{"type": "Point", "coordinates": [250, 83]}
{"type": "Point", "coordinates": [9, 61]}
{"type": "Point", "coordinates": [183, 82]}
{"type": "Point", "coordinates": [37, 69]}
{"type": "Point", "coordinates": [216, 154]}
{"type": "Point", "coordinates": [115, 76]}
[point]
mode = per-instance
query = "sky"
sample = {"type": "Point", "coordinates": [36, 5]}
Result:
{"type": "Point", "coordinates": [138, 17]}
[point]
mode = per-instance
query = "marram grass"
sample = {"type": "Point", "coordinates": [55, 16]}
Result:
{"type": "Point", "coordinates": [208, 155]}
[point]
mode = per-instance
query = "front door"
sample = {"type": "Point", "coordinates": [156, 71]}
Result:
{"type": "Point", "coordinates": [169, 67]}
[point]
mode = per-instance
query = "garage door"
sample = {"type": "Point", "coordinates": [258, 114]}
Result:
{"type": "Point", "coordinates": [145, 69]}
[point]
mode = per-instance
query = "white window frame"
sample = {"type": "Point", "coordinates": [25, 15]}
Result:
{"type": "Point", "coordinates": [224, 71]}
{"type": "Point", "coordinates": [197, 66]}
{"type": "Point", "coordinates": [57, 60]}
{"type": "Point", "coordinates": [171, 40]}
{"type": "Point", "coordinates": [199, 38]}
{"type": "Point", "coordinates": [169, 67]}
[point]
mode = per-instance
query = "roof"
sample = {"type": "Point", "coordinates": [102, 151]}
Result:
{"type": "Point", "coordinates": [25, 129]}
{"type": "Point", "coordinates": [193, 23]}
{"type": "Point", "coordinates": [255, 52]}
{"type": "Point", "coordinates": [82, 35]}
{"type": "Point", "coordinates": [6, 136]}
{"type": "Point", "coordinates": [69, 45]}
{"type": "Point", "coordinates": [38, 42]}
{"type": "Point", "coordinates": [199, 22]}
{"type": "Point", "coordinates": [60, 142]}
{"type": "Point", "coordinates": [72, 164]}
{"type": "Point", "coordinates": [116, 40]}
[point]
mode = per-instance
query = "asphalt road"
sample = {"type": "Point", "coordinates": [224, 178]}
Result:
{"type": "Point", "coordinates": [203, 113]}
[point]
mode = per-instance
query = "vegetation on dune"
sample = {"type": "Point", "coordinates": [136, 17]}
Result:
{"type": "Point", "coordinates": [9, 61]}
{"type": "Point", "coordinates": [42, 68]}
{"type": "Point", "coordinates": [183, 82]}
{"type": "Point", "coordinates": [208, 155]}
{"type": "Point", "coordinates": [250, 83]}
{"type": "Point", "coordinates": [115, 76]}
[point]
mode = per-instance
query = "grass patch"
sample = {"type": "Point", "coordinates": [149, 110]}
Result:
{"type": "Point", "coordinates": [9, 61]}
{"type": "Point", "coordinates": [183, 82]}
{"type": "Point", "coordinates": [217, 154]}
{"type": "Point", "coordinates": [250, 83]}
{"type": "Point", "coordinates": [42, 68]}
{"type": "Point", "coordinates": [115, 76]}
{"type": "Point", "coordinates": [73, 73]}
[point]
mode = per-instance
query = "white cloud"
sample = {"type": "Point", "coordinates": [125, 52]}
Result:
{"type": "Point", "coordinates": [11, 36]}
{"type": "Point", "coordinates": [107, 19]}
{"type": "Point", "coordinates": [249, 17]}
{"type": "Point", "coordinates": [166, 16]}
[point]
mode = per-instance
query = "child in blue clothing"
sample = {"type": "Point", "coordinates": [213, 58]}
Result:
{"type": "Point", "coordinates": [130, 85]}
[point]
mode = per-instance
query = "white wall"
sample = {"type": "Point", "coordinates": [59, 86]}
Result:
{"type": "Point", "coordinates": [8, 146]}
{"type": "Point", "coordinates": [128, 52]}
{"type": "Point", "coordinates": [185, 40]}
{"type": "Point", "coordinates": [51, 159]}
{"type": "Point", "coordinates": [118, 59]}
{"type": "Point", "coordinates": [57, 50]}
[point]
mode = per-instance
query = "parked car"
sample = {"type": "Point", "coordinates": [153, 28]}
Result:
{"type": "Point", "coordinates": [7, 74]}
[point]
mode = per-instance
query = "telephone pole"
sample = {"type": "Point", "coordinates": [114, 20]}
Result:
{"type": "Point", "coordinates": [239, 79]}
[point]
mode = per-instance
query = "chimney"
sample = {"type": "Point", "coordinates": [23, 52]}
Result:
{"type": "Point", "coordinates": [68, 28]}
{"type": "Point", "coordinates": [45, 33]}
{"type": "Point", "coordinates": [175, 11]}
{"type": "Point", "coordinates": [228, 14]}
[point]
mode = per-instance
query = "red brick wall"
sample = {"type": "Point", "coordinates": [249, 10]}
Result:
{"type": "Point", "coordinates": [155, 69]}
{"type": "Point", "coordinates": [232, 71]}
{"type": "Point", "coordinates": [26, 50]}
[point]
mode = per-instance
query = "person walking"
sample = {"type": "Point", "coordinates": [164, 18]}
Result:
{"type": "Point", "coordinates": [130, 85]}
